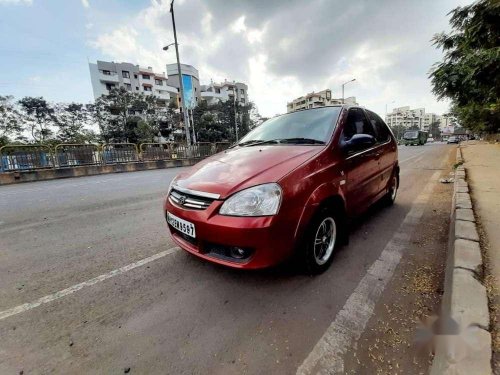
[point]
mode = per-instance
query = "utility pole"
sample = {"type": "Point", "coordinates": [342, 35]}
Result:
{"type": "Point", "coordinates": [183, 106]}
{"type": "Point", "coordinates": [345, 83]}
{"type": "Point", "coordinates": [235, 116]}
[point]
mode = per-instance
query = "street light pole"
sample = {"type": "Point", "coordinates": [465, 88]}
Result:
{"type": "Point", "coordinates": [345, 83]}
{"type": "Point", "coordinates": [181, 84]}
{"type": "Point", "coordinates": [235, 117]}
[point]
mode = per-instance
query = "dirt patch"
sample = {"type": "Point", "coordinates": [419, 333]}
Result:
{"type": "Point", "coordinates": [388, 345]}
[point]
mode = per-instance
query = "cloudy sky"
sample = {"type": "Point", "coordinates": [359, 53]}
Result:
{"type": "Point", "coordinates": [281, 49]}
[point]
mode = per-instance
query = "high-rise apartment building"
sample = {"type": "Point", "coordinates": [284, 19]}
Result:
{"type": "Point", "coordinates": [407, 117]}
{"type": "Point", "coordinates": [108, 75]}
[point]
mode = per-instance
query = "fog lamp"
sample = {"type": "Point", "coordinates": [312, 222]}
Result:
{"type": "Point", "coordinates": [238, 253]}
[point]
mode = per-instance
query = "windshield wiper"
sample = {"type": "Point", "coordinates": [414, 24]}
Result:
{"type": "Point", "coordinates": [255, 142]}
{"type": "Point", "coordinates": [302, 140]}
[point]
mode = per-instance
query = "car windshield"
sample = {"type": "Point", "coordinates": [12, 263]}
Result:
{"type": "Point", "coordinates": [411, 135]}
{"type": "Point", "coordinates": [313, 126]}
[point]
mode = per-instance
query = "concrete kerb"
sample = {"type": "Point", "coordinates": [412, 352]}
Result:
{"type": "Point", "coordinates": [7, 178]}
{"type": "Point", "coordinates": [465, 298]}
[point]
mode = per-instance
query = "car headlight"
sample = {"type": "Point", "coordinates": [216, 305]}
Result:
{"type": "Point", "coordinates": [261, 200]}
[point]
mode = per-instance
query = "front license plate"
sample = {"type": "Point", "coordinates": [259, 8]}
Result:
{"type": "Point", "coordinates": [181, 225]}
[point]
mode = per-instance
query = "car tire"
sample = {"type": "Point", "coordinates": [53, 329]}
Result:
{"type": "Point", "coordinates": [392, 189]}
{"type": "Point", "coordinates": [325, 233]}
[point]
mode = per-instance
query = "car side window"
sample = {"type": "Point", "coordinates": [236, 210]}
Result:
{"type": "Point", "coordinates": [357, 123]}
{"type": "Point", "coordinates": [383, 132]}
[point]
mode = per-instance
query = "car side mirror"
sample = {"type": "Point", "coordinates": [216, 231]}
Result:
{"type": "Point", "coordinates": [359, 142]}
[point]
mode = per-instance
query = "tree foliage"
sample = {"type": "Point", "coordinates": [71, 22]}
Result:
{"type": "Point", "coordinates": [469, 74]}
{"type": "Point", "coordinates": [121, 116]}
{"type": "Point", "coordinates": [72, 121]}
{"type": "Point", "coordinates": [217, 122]}
{"type": "Point", "coordinates": [434, 130]}
{"type": "Point", "coordinates": [38, 116]}
{"type": "Point", "coordinates": [10, 121]}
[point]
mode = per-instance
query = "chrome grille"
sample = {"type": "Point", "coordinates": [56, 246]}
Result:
{"type": "Point", "coordinates": [191, 201]}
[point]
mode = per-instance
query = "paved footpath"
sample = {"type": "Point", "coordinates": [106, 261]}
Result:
{"type": "Point", "coordinates": [482, 165]}
{"type": "Point", "coordinates": [90, 282]}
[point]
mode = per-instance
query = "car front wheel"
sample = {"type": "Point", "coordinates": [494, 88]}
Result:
{"type": "Point", "coordinates": [321, 241]}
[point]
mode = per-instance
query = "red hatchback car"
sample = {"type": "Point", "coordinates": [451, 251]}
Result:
{"type": "Point", "coordinates": [288, 187]}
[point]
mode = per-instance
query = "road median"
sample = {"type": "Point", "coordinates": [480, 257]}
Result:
{"type": "Point", "coordinates": [7, 178]}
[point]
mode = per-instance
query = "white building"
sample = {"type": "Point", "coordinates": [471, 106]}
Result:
{"type": "Point", "coordinates": [108, 75]}
{"type": "Point", "coordinates": [447, 124]}
{"type": "Point", "coordinates": [407, 117]}
{"type": "Point", "coordinates": [317, 99]}
{"type": "Point", "coordinates": [233, 91]}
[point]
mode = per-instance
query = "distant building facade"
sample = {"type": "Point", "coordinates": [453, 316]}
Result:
{"type": "Point", "coordinates": [317, 99]}
{"type": "Point", "coordinates": [232, 91]}
{"type": "Point", "coordinates": [407, 117]}
{"type": "Point", "coordinates": [106, 76]}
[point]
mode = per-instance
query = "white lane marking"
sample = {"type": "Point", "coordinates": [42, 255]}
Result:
{"type": "Point", "coordinates": [350, 322]}
{"type": "Point", "coordinates": [411, 157]}
{"type": "Point", "coordinates": [75, 288]}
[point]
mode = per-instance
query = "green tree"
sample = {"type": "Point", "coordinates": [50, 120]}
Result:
{"type": "Point", "coordinates": [39, 116]}
{"type": "Point", "coordinates": [469, 74]}
{"type": "Point", "coordinates": [398, 131]}
{"type": "Point", "coordinates": [118, 115]}
{"type": "Point", "coordinates": [434, 130]}
{"type": "Point", "coordinates": [72, 122]}
{"type": "Point", "coordinates": [10, 120]}
{"type": "Point", "coordinates": [100, 116]}
{"type": "Point", "coordinates": [144, 132]}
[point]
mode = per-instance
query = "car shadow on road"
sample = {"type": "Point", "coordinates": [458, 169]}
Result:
{"type": "Point", "coordinates": [292, 269]}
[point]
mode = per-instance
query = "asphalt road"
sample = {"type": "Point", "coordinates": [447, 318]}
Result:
{"type": "Point", "coordinates": [169, 312]}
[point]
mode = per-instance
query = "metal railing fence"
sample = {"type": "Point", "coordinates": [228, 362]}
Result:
{"type": "Point", "coordinates": [74, 154]}
{"type": "Point", "coordinates": [22, 157]}
{"type": "Point", "coordinates": [155, 151]}
{"type": "Point", "coordinates": [221, 146]}
{"type": "Point", "coordinates": [25, 157]}
{"type": "Point", "coordinates": [120, 153]}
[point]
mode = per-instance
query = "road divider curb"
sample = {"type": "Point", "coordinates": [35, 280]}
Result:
{"type": "Point", "coordinates": [7, 178]}
{"type": "Point", "coordinates": [465, 299]}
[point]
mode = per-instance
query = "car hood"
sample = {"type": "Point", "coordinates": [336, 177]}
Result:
{"type": "Point", "coordinates": [242, 167]}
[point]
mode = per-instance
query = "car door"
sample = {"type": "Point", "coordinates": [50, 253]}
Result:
{"type": "Point", "coordinates": [386, 148]}
{"type": "Point", "coordinates": [361, 165]}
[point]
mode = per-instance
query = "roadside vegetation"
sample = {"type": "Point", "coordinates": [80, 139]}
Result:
{"type": "Point", "coordinates": [469, 74]}
{"type": "Point", "coordinates": [121, 116]}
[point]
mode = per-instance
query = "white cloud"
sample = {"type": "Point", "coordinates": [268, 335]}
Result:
{"type": "Point", "coordinates": [239, 25]}
{"type": "Point", "coordinates": [284, 52]}
{"type": "Point", "coordinates": [85, 3]}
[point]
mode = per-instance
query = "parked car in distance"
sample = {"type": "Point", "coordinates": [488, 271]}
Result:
{"type": "Point", "coordinates": [453, 139]}
{"type": "Point", "coordinates": [430, 140]}
{"type": "Point", "coordinates": [287, 188]}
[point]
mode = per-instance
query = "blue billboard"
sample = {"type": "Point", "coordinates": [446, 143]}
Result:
{"type": "Point", "coordinates": [189, 98]}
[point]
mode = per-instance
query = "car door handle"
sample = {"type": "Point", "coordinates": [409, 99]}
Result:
{"type": "Point", "coordinates": [377, 155]}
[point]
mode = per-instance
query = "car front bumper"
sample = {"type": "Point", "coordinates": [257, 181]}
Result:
{"type": "Point", "coordinates": [267, 238]}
